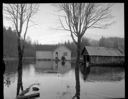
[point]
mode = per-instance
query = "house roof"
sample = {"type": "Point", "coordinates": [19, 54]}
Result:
{"type": "Point", "coordinates": [102, 51]}
{"type": "Point", "coordinates": [46, 47]}
{"type": "Point", "coordinates": [63, 46]}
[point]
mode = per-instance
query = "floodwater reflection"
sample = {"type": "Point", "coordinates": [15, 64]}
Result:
{"type": "Point", "coordinates": [103, 74]}
{"type": "Point", "coordinates": [57, 81]}
{"type": "Point", "coordinates": [52, 67]}
{"type": "Point", "coordinates": [10, 73]}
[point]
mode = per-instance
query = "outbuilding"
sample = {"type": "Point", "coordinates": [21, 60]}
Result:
{"type": "Point", "coordinates": [102, 55]}
{"type": "Point", "coordinates": [50, 52]}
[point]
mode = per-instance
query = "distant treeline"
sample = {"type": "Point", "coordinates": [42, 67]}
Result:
{"type": "Point", "coordinates": [111, 42]}
{"type": "Point", "coordinates": [10, 44]}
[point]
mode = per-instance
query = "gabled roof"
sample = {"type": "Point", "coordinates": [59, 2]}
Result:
{"type": "Point", "coordinates": [62, 46]}
{"type": "Point", "coordinates": [102, 51]}
{"type": "Point", "coordinates": [46, 47]}
{"type": "Point", "coordinates": [49, 47]}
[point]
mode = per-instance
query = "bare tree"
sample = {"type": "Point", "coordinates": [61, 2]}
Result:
{"type": "Point", "coordinates": [20, 15]}
{"type": "Point", "coordinates": [79, 17]}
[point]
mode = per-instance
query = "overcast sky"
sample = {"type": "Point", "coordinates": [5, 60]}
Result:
{"type": "Point", "coordinates": [46, 24]}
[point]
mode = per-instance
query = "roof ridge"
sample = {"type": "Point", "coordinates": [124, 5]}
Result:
{"type": "Point", "coordinates": [50, 47]}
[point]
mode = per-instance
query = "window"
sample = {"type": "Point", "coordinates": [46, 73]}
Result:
{"type": "Point", "coordinates": [57, 53]}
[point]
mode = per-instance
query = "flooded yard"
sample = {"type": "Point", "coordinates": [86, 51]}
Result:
{"type": "Point", "coordinates": [57, 80]}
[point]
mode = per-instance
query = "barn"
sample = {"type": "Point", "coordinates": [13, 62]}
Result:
{"type": "Point", "coordinates": [102, 55]}
{"type": "Point", "coordinates": [49, 52]}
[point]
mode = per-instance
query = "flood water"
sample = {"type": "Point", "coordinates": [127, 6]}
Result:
{"type": "Point", "coordinates": [57, 80]}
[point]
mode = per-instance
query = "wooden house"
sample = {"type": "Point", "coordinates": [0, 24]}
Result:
{"type": "Point", "coordinates": [50, 52]}
{"type": "Point", "coordinates": [102, 55]}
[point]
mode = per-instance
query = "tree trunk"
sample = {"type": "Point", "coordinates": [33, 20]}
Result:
{"type": "Point", "coordinates": [20, 57]}
{"type": "Point", "coordinates": [77, 70]}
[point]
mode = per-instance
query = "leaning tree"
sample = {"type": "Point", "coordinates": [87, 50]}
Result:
{"type": "Point", "coordinates": [20, 15]}
{"type": "Point", "coordinates": [78, 18]}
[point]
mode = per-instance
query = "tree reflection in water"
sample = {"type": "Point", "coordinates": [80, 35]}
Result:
{"type": "Point", "coordinates": [10, 73]}
{"type": "Point", "coordinates": [9, 79]}
{"type": "Point", "coordinates": [85, 71]}
{"type": "Point", "coordinates": [7, 82]}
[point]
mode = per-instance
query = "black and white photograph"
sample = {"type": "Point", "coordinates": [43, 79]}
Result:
{"type": "Point", "coordinates": [63, 50]}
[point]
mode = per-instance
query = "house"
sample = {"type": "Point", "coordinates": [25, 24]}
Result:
{"type": "Point", "coordinates": [51, 52]}
{"type": "Point", "coordinates": [102, 55]}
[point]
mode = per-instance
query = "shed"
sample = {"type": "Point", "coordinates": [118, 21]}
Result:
{"type": "Point", "coordinates": [102, 55]}
{"type": "Point", "coordinates": [62, 51]}
{"type": "Point", "coordinates": [45, 52]}
{"type": "Point", "coordinates": [53, 52]}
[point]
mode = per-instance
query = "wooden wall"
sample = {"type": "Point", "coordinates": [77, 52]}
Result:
{"type": "Point", "coordinates": [106, 59]}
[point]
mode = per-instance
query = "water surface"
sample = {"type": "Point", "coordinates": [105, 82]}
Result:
{"type": "Point", "coordinates": [57, 80]}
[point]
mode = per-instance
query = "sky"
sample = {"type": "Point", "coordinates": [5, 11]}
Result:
{"type": "Point", "coordinates": [45, 26]}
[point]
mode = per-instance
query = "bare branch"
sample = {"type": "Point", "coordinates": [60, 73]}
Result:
{"type": "Point", "coordinates": [73, 38]}
{"type": "Point", "coordinates": [82, 16]}
{"type": "Point", "coordinates": [65, 28]}
{"type": "Point", "coordinates": [63, 25]}
{"type": "Point", "coordinates": [20, 15]}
